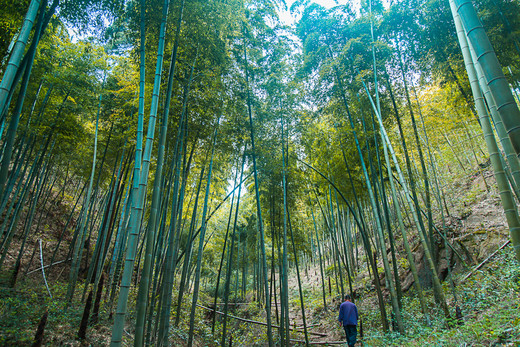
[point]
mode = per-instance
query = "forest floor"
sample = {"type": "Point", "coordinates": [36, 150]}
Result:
{"type": "Point", "coordinates": [489, 299]}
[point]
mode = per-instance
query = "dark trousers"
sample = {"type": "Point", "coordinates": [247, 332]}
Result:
{"type": "Point", "coordinates": [351, 332]}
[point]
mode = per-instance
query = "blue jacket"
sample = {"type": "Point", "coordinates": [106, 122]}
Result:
{"type": "Point", "coordinates": [348, 313]}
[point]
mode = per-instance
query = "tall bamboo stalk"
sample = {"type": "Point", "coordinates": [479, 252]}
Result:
{"type": "Point", "coordinates": [140, 191]}
{"type": "Point", "coordinates": [16, 54]}
{"type": "Point", "coordinates": [150, 237]}
{"type": "Point", "coordinates": [78, 247]}
{"type": "Point", "coordinates": [470, 59]}
{"type": "Point", "coordinates": [318, 246]}
{"type": "Point", "coordinates": [379, 230]}
{"type": "Point", "coordinates": [492, 70]}
{"type": "Point", "coordinates": [230, 258]}
{"type": "Point", "coordinates": [436, 282]}
{"type": "Point", "coordinates": [258, 207]}
{"type": "Point", "coordinates": [15, 117]}
{"type": "Point", "coordinates": [219, 273]}
{"type": "Point", "coordinates": [201, 242]}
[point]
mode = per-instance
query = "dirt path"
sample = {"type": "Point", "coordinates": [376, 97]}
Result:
{"type": "Point", "coordinates": [322, 325]}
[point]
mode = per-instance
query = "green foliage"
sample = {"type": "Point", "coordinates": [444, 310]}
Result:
{"type": "Point", "coordinates": [10, 20]}
{"type": "Point", "coordinates": [298, 100]}
{"type": "Point", "coordinates": [21, 310]}
{"type": "Point", "coordinates": [490, 308]}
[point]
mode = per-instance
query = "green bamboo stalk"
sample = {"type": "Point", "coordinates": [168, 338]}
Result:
{"type": "Point", "coordinates": [318, 246]}
{"type": "Point", "coordinates": [334, 232]}
{"type": "Point", "coordinates": [244, 267]}
{"type": "Point", "coordinates": [78, 248]}
{"type": "Point", "coordinates": [15, 117]}
{"type": "Point", "coordinates": [350, 241]}
{"type": "Point", "coordinates": [402, 228]}
{"type": "Point", "coordinates": [258, 207]}
{"type": "Point", "coordinates": [505, 141]}
{"type": "Point", "coordinates": [273, 258]}
{"type": "Point", "coordinates": [237, 272]}
{"type": "Point", "coordinates": [492, 70]}
{"type": "Point", "coordinates": [366, 243]}
{"type": "Point", "coordinates": [283, 311]}
{"type": "Point", "coordinates": [342, 231]}
{"type": "Point", "coordinates": [230, 258]}
{"type": "Point", "coordinates": [438, 196]}
{"type": "Point", "coordinates": [176, 215]}
{"type": "Point", "coordinates": [215, 296]}
{"type": "Point", "coordinates": [470, 59]}
{"type": "Point", "coordinates": [436, 282]}
{"type": "Point", "coordinates": [17, 53]}
{"type": "Point", "coordinates": [201, 242]}
{"type": "Point", "coordinates": [288, 220]}
{"type": "Point", "coordinates": [284, 281]}
{"type": "Point", "coordinates": [382, 188]}
{"type": "Point", "coordinates": [29, 220]}
{"type": "Point", "coordinates": [23, 138]}
{"type": "Point", "coordinates": [391, 239]}
{"type": "Point", "coordinates": [302, 305]}
{"type": "Point", "coordinates": [140, 192]}
{"type": "Point", "coordinates": [429, 235]}
{"type": "Point", "coordinates": [188, 249]}
{"type": "Point", "coordinates": [95, 265]}
{"type": "Point", "coordinates": [374, 212]}
{"type": "Point", "coordinates": [104, 235]}
{"type": "Point", "coordinates": [156, 195]}
{"type": "Point", "coordinates": [14, 177]}
{"type": "Point", "coordinates": [174, 229]}
{"type": "Point", "coordinates": [117, 255]}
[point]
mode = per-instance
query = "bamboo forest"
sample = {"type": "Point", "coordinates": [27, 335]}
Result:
{"type": "Point", "coordinates": [259, 173]}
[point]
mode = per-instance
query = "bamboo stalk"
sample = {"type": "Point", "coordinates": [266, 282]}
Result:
{"type": "Point", "coordinates": [259, 323]}
{"type": "Point", "coordinates": [43, 268]}
{"type": "Point", "coordinates": [485, 261]}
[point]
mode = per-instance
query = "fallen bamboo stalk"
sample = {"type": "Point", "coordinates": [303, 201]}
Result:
{"type": "Point", "coordinates": [309, 326]}
{"type": "Point", "coordinates": [485, 261]}
{"type": "Point", "coordinates": [462, 237]}
{"type": "Point", "coordinates": [321, 342]}
{"type": "Point", "coordinates": [46, 266]}
{"type": "Point", "coordinates": [43, 268]}
{"type": "Point", "coordinates": [241, 303]}
{"type": "Point", "coordinates": [259, 323]}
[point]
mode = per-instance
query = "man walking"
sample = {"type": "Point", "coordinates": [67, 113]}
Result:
{"type": "Point", "coordinates": [348, 317]}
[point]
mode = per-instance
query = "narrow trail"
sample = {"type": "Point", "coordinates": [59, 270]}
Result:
{"type": "Point", "coordinates": [322, 325]}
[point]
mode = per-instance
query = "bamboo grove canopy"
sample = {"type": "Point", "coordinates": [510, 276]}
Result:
{"type": "Point", "coordinates": [199, 142]}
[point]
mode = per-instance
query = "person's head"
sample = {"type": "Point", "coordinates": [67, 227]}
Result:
{"type": "Point", "coordinates": [348, 298]}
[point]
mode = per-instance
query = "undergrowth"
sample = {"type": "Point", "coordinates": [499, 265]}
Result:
{"type": "Point", "coordinates": [490, 304]}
